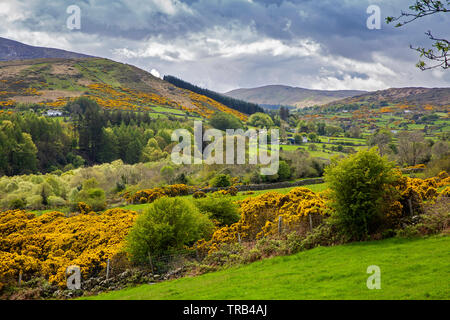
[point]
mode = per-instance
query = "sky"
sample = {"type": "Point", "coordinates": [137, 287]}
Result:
{"type": "Point", "coordinates": [228, 44]}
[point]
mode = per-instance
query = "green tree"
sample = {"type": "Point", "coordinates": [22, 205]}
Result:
{"type": "Point", "coordinates": [260, 120]}
{"type": "Point", "coordinates": [220, 208]}
{"type": "Point", "coordinates": [358, 186]}
{"type": "Point", "coordinates": [166, 226]}
{"type": "Point", "coordinates": [284, 171]}
{"type": "Point", "coordinates": [223, 121]}
{"type": "Point", "coordinates": [221, 181]}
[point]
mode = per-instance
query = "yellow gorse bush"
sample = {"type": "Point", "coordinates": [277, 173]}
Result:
{"type": "Point", "coordinates": [259, 216]}
{"type": "Point", "coordinates": [150, 195]}
{"type": "Point", "coordinates": [46, 245]}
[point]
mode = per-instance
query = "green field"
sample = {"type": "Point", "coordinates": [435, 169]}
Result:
{"type": "Point", "coordinates": [410, 269]}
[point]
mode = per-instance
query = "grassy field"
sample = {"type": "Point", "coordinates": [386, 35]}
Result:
{"type": "Point", "coordinates": [410, 269]}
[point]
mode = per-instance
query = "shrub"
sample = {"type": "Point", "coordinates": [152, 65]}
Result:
{"type": "Point", "coordinates": [199, 194]}
{"type": "Point", "coordinates": [284, 171]}
{"type": "Point", "coordinates": [54, 201]}
{"type": "Point", "coordinates": [166, 226]}
{"type": "Point", "coordinates": [221, 181]}
{"type": "Point", "coordinates": [359, 186]}
{"type": "Point", "coordinates": [219, 208]}
{"type": "Point", "coordinates": [17, 203]}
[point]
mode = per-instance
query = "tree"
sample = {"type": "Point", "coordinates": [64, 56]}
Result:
{"type": "Point", "coordinates": [260, 120]}
{"type": "Point", "coordinates": [166, 227]}
{"type": "Point", "coordinates": [89, 124]}
{"type": "Point", "coordinates": [284, 171]}
{"type": "Point", "coordinates": [358, 186]}
{"type": "Point", "coordinates": [412, 148]}
{"type": "Point", "coordinates": [381, 139]}
{"type": "Point", "coordinates": [221, 181]}
{"type": "Point", "coordinates": [223, 121]}
{"type": "Point", "coordinates": [219, 208]}
{"type": "Point", "coordinates": [422, 8]}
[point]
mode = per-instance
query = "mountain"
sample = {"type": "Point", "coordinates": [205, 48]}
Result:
{"type": "Point", "coordinates": [409, 96]}
{"type": "Point", "coordinates": [53, 82]}
{"type": "Point", "coordinates": [290, 96]}
{"type": "Point", "coordinates": [14, 50]}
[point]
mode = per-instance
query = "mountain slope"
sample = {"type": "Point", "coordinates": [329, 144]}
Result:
{"type": "Point", "coordinates": [114, 85]}
{"type": "Point", "coordinates": [293, 96]}
{"type": "Point", "coordinates": [408, 96]}
{"type": "Point", "coordinates": [14, 50]}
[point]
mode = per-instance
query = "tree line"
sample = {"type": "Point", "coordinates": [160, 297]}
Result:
{"type": "Point", "coordinates": [239, 105]}
{"type": "Point", "coordinates": [30, 143]}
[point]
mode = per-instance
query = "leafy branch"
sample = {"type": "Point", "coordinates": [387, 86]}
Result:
{"type": "Point", "coordinates": [440, 50]}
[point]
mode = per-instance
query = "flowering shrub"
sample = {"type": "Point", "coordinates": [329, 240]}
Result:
{"type": "Point", "coordinates": [46, 245]}
{"type": "Point", "coordinates": [150, 195]}
{"type": "Point", "coordinates": [199, 194]}
{"type": "Point", "coordinates": [259, 217]}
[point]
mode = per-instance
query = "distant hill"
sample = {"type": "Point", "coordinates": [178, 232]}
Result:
{"type": "Point", "coordinates": [290, 96]}
{"type": "Point", "coordinates": [114, 85]}
{"type": "Point", "coordinates": [14, 50]}
{"type": "Point", "coordinates": [408, 96]}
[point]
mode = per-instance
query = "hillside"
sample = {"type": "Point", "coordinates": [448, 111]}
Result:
{"type": "Point", "coordinates": [408, 96]}
{"type": "Point", "coordinates": [14, 50]}
{"type": "Point", "coordinates": [53, 82]}
{"type": "Point", "coordinates": [290, 96]}
{"type": "Point", "coordinates": [321, 273]}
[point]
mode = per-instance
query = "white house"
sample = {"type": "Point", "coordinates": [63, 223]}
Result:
{"type": "Point", "coordinates": [54, 113]}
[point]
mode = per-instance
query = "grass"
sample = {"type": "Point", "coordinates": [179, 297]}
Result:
{"type": "Point", "coordinates": [410, 269]}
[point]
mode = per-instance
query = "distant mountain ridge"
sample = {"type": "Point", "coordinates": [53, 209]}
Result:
{"type": "Point", "coordinates": [14, 50]}
{"type": "Point", "coordinates": [291, 96]}
{"type": "Point", "coordinates": [407, 96]}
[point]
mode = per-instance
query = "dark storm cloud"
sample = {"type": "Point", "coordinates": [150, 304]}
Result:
{"type": "Point", "coordinates": [227, 44]}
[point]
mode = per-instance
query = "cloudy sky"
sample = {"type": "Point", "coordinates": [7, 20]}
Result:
{"type": "Point", "coordinates": [229, 44]}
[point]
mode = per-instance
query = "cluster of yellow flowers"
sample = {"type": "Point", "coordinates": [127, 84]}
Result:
{"type": "Point", "coordinates": [302, 207]}
{"type": "Point", "coordinates": [46, 245]}
{"type": "Point", "coordinates": [150, 195]}
{"type": "Point", "coordinates": [202, 103]}
{"type": "Point", "coordinates": [260, 217]}
{"type": "Point", "coordinates": [230, 191]}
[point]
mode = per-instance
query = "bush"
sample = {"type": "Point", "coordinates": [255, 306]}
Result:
{"type": "Point", "coordinates": [221, 181]}
{"type": "Point", "coordinates": [199, 194]}
{"type": "Point", "coordinates": [284, 171]}
{"type": "Point", "coordinates": [222, 209]}
{"type": "Point", "coordinates": [94, 197]}
{"type": "Point", "coordinates": [165, 227]}
{"type": "Point", "coordinates": [54, 201]}
{"type": "Point", "coordinates": [359, 186]}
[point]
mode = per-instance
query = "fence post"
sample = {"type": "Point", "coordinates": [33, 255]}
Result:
{"type": "Point", "coordinates": [239, 238]}
{"type": "Point", "coordinates": [150, 260]}
{"type": "Point", "coordinates": [107, 269]}
{"type": "Point", "coordinates": [410, 207]}
{"type": "Point", "coordinates": [20, 278]}
{"type": "Point", "coordinates": [196, 252]}
{"type": "Point", "coordinates": [280, 224]}
{"type": "Point", "coordinates": [310, 222]}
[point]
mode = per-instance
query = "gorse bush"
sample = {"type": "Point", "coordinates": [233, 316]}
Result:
{"type": "Point", "coordinates": [360, 186]}
{"type": "Point", "coordinates": [168, 225]}
{"type": "Point", "coordinates": [46, 245]}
